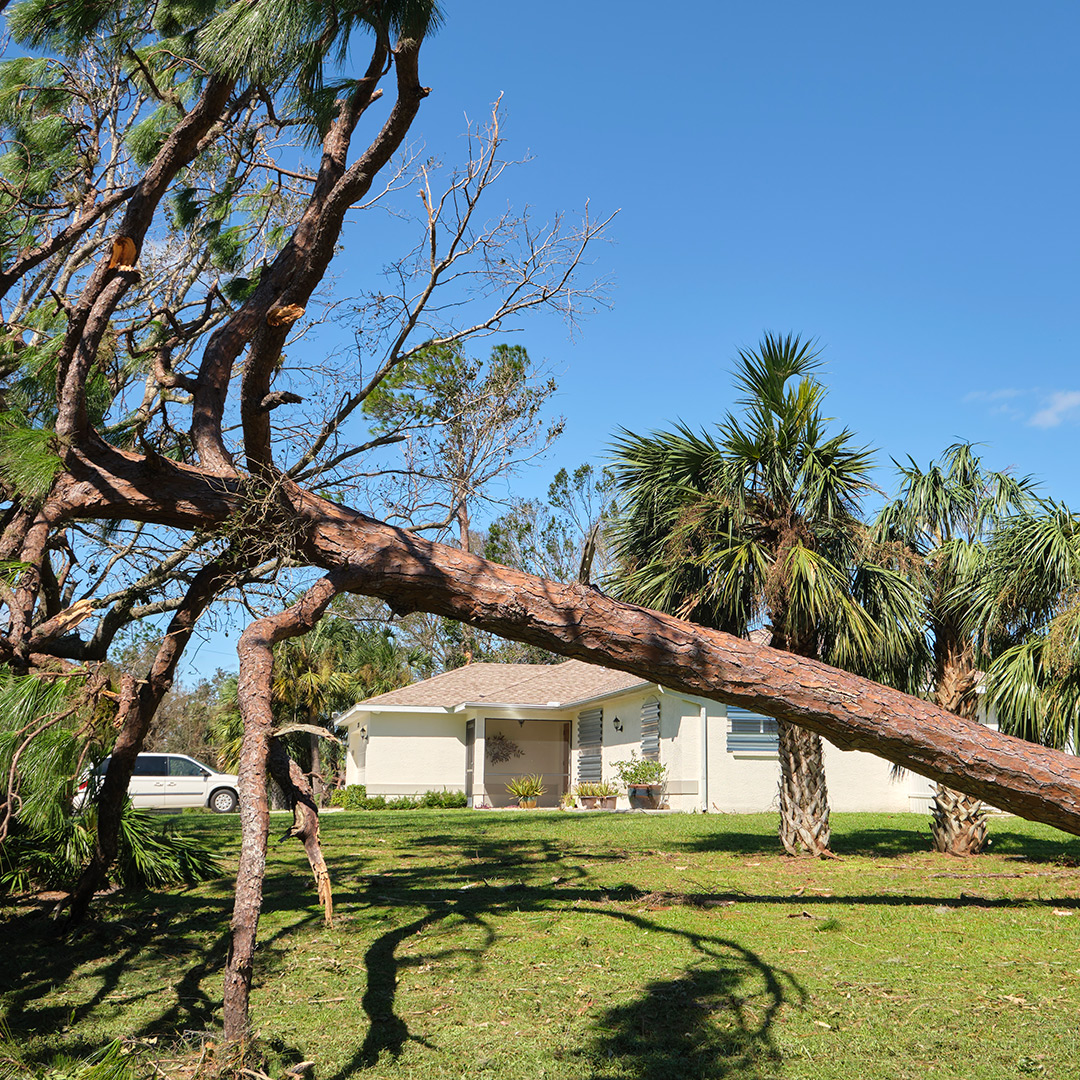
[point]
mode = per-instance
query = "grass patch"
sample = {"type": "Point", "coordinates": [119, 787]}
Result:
{"type": "Point", "coordinates": [594, 946]}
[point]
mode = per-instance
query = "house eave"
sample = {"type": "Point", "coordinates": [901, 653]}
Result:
{"type": "Point", "coordinates": [352, 716]}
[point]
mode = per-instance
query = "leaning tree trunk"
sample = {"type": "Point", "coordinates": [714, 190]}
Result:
{"type": "Point", "coordinates": [138, 706]}
{"type": "Point", "coordinates": [804, 797]}
{"type": "Point", "coordinates": [957, 821]}
{"type": "Point", "coordinates": [256, 675]}
{"type": "Point", "coordinates": [413, 574]}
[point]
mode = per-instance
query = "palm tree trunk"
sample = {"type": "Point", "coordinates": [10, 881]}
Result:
{"type": "Point", "coordinates": [957, 821]}
{"type": "Point", "coordinates": [804, 796]}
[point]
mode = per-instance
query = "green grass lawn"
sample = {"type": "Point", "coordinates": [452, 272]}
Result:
{"type": "Point", "coordinates": [599, 946]}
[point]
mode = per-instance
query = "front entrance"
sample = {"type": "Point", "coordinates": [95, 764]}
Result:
{"type": "Point", "coordinates": [522, 747]}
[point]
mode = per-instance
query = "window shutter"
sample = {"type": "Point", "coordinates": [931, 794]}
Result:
{"type": "Point", "coordinates": [749, 731]}
{"type": "Point", "coordinates": [650, 730]}
{"type": "Point", "coordinates": [590, 742]}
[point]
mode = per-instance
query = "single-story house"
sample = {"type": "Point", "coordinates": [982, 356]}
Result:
{"type": "Point", "coordinates": [476, 727]}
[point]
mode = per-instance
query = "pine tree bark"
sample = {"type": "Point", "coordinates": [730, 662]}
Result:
{"type": "Point", "coordinates": [578, 621]}
{"type": "Point", "coordinates": [254, 693]}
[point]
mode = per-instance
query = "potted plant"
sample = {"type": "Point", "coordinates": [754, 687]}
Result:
{"type": "Point", "coordinates": [526, 789]}
{"type": "Point", "coordinates": [644, 781]}
{"type": "Point", "coordinates": [601, 795]}
{"type": "Point", "coordinates": [588, 796]}
{"type": "Point", "coordinates": [609, 793]}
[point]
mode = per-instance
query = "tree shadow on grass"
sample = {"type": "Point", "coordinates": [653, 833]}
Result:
{"type": "Point", "coordinates": [711, 1022]}
{"type": "Point", "coordinates": [910, 835]}
{"type": "Point", "coordinates": [715, 1020]}
{"type": "Point", "coordinates": [914, 839]}
{"type": "Point", "coordinates": [150, 953]}
{"type": "Point", "coordinates": [1051, 847]}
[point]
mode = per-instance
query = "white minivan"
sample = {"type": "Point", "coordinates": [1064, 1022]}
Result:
{"type": "Point", "coordinates": [172, 781]}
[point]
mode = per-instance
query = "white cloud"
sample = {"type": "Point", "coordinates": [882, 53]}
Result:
{"type": "Point", "coordinates": [1060, 405]}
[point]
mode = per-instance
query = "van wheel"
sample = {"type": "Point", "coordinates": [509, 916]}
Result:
{"type": "Point", "coordinates": [223, 801]}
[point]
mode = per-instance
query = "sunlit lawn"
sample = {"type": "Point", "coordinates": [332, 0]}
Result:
{"type": "Point", "coordinates": [570, 945]}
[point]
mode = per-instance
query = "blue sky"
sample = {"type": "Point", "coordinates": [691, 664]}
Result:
{"type": "Point", "coordinates": [897, 181]}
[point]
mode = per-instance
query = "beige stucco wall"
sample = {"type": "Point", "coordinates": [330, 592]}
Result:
{"type": "Point", "coordinates": [408, 754]}
{"type": "Point", "coordinates": [747, 783]}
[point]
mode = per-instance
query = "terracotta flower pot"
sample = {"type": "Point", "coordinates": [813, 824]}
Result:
{"type": "Point", "coordinates": [527, 804]}
{"type": "Point", "coordinates": [644, 796]}
{"type": "Point", "coordinates": [589, 802]}
{"type": "Point", "coordinates": [607, 802]}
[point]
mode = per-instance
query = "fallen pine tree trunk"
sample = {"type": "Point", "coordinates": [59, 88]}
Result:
{"type": "Point", "coordinates": [412, 574]}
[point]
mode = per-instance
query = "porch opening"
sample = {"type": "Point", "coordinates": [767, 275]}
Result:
{"type": "Point", "coordinates": [519, 747]}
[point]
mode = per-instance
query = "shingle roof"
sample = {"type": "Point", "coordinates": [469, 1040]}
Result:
{"type": "Point", "coordinates": [511, 684]}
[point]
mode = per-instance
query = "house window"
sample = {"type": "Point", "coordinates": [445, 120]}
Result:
{"type": "Point", "coordinates": [650, 730]}
{"type": "Point", "coordinates": [590, 744]}
{"type": "Point", "coordinates": [750, 732]}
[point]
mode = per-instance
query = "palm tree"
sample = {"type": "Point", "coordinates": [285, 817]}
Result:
{"type": "Point", "coordinates": [759, 527]}
{"type": "Point", "coordinates": [945, 516]}
{"type": "Point", "coordinates": [1027, 609]}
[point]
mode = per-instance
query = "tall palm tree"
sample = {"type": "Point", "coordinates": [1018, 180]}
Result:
{"type": "Point", "coordinates": [760, 527]}
{"type": "Point", "coordinates": [945, 516]}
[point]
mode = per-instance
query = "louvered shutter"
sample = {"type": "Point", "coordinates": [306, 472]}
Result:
{"type": "Point", "coordinates": [750, 731]}
{"type": "Point", "coordinates": [590, 742]}
{"type": "Point", "coordinates": [650, 730]}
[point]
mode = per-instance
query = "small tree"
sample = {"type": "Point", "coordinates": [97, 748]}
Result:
{"type": "Point", "coordinates": [565, 538]}
{"type": "Point", "coordinates": [1025, 606]}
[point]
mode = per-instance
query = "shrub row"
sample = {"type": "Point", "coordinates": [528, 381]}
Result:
{"type": "Point", "coordinates": [355, 797]}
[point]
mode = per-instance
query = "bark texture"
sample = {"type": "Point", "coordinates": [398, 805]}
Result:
{"type": "Point", "coordinates": [804, 796]}
{"type": "Point", "coordinates": [957, 821]}
{"type": "Point", "coordinates": [254, 691]}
